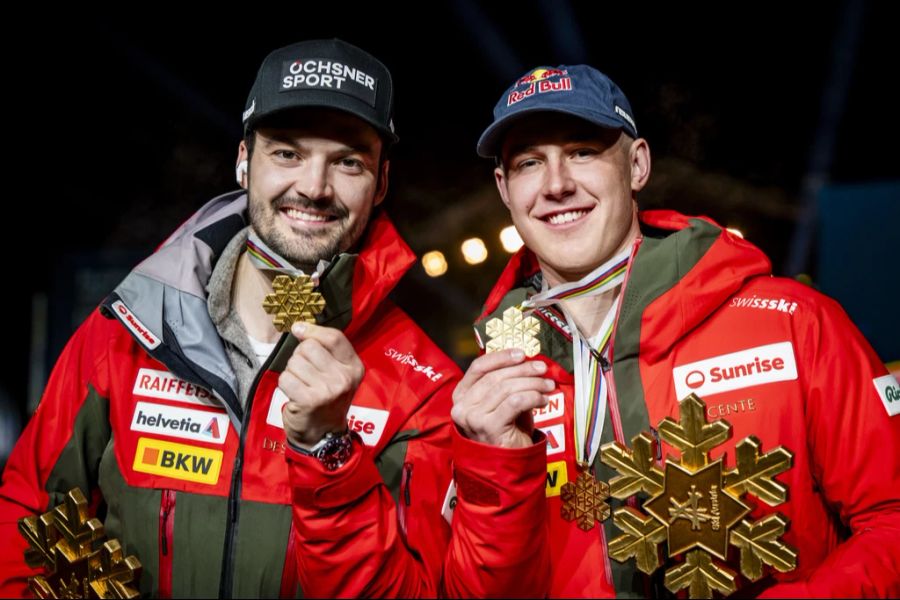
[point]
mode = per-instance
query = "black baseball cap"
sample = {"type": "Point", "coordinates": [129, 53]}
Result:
{"type": "Point", "coordinates": [323, 74]}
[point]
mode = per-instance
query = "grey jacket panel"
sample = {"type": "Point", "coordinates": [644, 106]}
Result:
{"type": "Point", "coordinates": [167, 295]}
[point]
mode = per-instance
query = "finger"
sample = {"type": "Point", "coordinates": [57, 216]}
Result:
{"type": "Point", "coordinates": [293, 387]}
{"type": "Point", "coordinates": [331, 339]}
{"type": "Point", "coordinates": [300, 367]}
{"type": "Point", "coordinates": [317, 355]}
{"type": "Point", "coordinates": [494, 379]}
{"type": "Point", "coordinates": [488, 363]}
{"type": "Point", "coordinates": [518, 404]}
{"type": "Point", "coordinates": [529, 368]}
{"type": "Point", "coordinates": [491, 397]}
{"type": "Point", "coordinates": [510, 411]}
{"type": "Point", "coordinates": [484, 400]}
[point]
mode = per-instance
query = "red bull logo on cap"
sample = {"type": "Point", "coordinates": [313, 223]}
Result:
{"type": "Point", "coordinates": [538, 82]}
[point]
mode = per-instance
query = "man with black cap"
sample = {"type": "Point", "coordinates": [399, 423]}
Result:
{"type": "Point", "coordinates": [615, 316]}
{"type": "Point", "coordinates": [247, 411]}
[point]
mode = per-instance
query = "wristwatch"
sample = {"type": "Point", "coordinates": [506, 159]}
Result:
{"type": "Point", "coordinates": [333, 450]}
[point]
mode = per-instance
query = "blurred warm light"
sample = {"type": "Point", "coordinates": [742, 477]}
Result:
{"type": "Point", "coordinates": [736, 232]}
{"type": "Point", "coordinates": [510, 239]}
{"type": "Point", "coordinates": [434, 263]}
{"type": "Point", "coordinates": [474, 251]}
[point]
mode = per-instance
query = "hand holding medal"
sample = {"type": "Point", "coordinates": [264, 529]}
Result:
{"type": "Point", "coordinates": [493, 402]}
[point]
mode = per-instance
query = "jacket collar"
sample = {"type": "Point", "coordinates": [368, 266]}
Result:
{"type": "Point", "coordinates": [684, 269]}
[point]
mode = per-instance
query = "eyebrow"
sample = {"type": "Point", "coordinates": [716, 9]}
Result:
{"type": "Point", "coordinates": [519, 149]}
{"type": "Point", "coordinates": [360, 147]}
{"type": "Point", "coordinates": [574, 139]}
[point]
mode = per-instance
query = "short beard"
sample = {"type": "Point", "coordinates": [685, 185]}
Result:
{"type": "Point", "coordinates": [304, 252]}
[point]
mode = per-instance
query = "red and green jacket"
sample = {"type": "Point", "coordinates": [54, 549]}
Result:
{"type": "Point", "coordinates": [141, 413]}
{"type": "Point", "coordinates": [700, 312]}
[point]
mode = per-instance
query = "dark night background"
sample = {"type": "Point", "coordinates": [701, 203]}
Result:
{"type": "Point", "coordinates": [125, 121]}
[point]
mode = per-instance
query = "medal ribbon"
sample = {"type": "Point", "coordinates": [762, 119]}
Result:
{"type": "Point", "coordinates": [266, 259]}
{"type": "Point", "coordinates": [591, 388]}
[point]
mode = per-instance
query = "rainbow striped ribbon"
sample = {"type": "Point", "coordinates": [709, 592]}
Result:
{"type": "Point", "coordinates": [267, 259]}
{"type": "Point", "coordinates": [591, 387]}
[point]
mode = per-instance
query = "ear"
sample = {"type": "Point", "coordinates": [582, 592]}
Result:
{"type": "Point", "coordinates": [241, 167]}
{"type": "Point", "coordinates": [639, 159]}
{"type": "Point", "coordinates": [500, 180]}
{"type": "Point", "coordinates": [381, 186]}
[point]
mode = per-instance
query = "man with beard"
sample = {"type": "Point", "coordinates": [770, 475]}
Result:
{"type": "Point", "coordinates": [636, 312]}
{"type": "Point", "coordinates": [232, 457]}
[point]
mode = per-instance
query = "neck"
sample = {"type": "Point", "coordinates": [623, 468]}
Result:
{"type": "Point", "coordinates": [588, 312]}
{"type": "Point", "coordinates": [251, 285]}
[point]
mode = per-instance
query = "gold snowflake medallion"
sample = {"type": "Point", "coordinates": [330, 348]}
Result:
{"type": "Point", "coordinates": [514, 330]}
{"type": "Point", "coordinates": [696, 505]}
{"type": "Point", "coordinates": [294, 299]}
{"type": "Point", "coordinates": [79, 563]}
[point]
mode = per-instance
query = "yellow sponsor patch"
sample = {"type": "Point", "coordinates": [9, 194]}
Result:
{"type": "Point", "coordinates": [557, 476]}
{"type": "Point", "coordinates": [191, 463]}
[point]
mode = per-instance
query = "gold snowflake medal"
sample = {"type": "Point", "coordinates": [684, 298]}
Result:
{"type": "Point", "coordinates": [293, 299]}
{"type": "Point", "coordinates": [294, 296]}
{"type": "Point", "coordinates": [585, 500]}
{"type": "Point", "coordinates": [696, 505]}
{"type": "Point", "coordinates": [514, 330]}
{"type": "Point", "coordinates": [63, 541]}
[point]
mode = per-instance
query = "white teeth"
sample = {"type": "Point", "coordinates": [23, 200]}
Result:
{"type": "Point", "coordinates": [304, 216]}
{"type": "Point", "coordinates": [566, 217]}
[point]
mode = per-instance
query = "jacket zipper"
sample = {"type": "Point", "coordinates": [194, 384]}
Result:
{"type": "Point", "coordinates": [226, 581]}
{"type": "Point", "coordinates": [405, 499]}
{"type": "Point", "coordinates": [166, 533]}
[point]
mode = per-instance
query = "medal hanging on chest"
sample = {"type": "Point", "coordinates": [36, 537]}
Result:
{"type": "Point", "coordinates": [584, 501]}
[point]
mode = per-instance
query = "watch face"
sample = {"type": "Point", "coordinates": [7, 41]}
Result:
{"type": "Point", "coordinates": [336, 451]}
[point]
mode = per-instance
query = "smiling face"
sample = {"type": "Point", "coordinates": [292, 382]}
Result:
{"type": "Point", "coordinates": [312, 184]}
{"type": "Point", "coordinates": [569, 188]}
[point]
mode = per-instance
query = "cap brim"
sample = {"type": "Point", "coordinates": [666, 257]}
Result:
{"type": "Point", "coordinates": [488, 142]}
{"type": "Point", "coordinates": [348, 106]}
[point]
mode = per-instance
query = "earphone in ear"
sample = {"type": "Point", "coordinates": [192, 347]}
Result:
{"type": "Point", "coordinates": [240, 172]}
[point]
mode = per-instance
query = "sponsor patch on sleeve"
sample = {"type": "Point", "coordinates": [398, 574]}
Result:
{"type": "Point", "coordinates": [889, 391]}
{"type": "Point", "coordinates": [140, 331]}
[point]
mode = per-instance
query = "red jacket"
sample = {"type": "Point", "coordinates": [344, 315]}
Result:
{"type": "Point", "coordinates": [141, 413]}
{"type": "Point", "coordinates": [699, 305]}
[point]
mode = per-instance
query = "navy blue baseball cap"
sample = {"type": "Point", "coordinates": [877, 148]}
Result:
{"type": "Point", "coordinates": [325, 74]}
{"type": "Point", "coordinates": [579, 90]}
